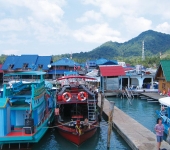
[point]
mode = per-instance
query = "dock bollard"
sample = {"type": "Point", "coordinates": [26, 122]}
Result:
{"type": "Point", "coordinates": [110, 119]}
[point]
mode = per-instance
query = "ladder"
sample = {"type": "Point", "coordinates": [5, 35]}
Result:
{"type": "Point", "coordinates": [129, 94]}
{"type": "Point", "coordinates": [91, 104]}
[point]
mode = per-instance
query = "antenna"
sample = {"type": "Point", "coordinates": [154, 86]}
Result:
{"type": "Point", "coordinates": [143, 50]}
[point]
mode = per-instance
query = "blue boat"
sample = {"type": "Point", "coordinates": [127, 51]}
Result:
{"type": "Point", "coordinates": [26, 109]}
{"type": "Point", "coordinates": [164, 113]}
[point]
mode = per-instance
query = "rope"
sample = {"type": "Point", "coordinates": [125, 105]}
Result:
{"type": "Point", "coordinates": [68, 122]}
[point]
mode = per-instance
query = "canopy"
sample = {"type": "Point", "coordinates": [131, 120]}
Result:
{"type": "Point", "coordinates": [26, 73]}
{"type": "Point", "coordinates": [165, 101]}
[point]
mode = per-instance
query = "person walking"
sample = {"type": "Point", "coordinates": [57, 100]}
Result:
{"type": "Point", "coordinates": [159, 129]}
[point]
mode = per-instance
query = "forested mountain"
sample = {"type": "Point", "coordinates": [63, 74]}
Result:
{"type": "Point", "coordinates": [130, 51]}
{"type": "Point", "coordinates": [155, 42]}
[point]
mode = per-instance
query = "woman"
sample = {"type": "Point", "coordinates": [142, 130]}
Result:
{"type": "Point", "coordinates": [159, 128]}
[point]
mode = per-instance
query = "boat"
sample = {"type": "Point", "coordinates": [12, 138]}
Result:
{"type": "Point", "coordinates": [164, 113]}
{"type": "Point", "coordinates": [26, 109]}
{"type": "Point", "coordinates": [76, 114]}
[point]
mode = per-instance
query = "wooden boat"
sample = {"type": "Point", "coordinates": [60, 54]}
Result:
{"type": "Point", "coordinates": [26, 110]}
{"type": "Point", "coordinates": [76, 114]}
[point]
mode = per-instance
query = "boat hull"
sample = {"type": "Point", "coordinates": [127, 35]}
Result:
{"type": "Point", "coordinates": [75, 137]}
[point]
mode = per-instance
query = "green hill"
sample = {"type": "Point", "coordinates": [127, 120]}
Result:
{"type": "Point", "coordinates": [155, 42]}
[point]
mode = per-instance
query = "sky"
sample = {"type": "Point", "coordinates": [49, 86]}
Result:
{"type": "Point", "coordinates": [53, 27]}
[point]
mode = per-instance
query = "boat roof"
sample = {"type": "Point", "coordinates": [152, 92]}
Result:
{"type": "Point", "coordinates": [81, 77]}
{"type": "Point", "coordinates": [26, 73]}
{"type": "Point", "coordinates": [165, 101]}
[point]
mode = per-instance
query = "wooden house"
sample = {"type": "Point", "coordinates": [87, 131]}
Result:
{"type": "Point", "coordinates": [163, 76]}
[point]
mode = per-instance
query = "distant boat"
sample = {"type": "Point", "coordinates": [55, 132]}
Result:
{"type": "Point", "coordinates": [165, 113]}
{"type": "Point", "coordinates": [76, 113]}
{"type": "Point", "coordinates": [26, 109]}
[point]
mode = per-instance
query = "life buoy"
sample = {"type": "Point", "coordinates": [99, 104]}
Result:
{"type": "Point", "coordinates": [66, 96]}
{"type": "Point", "coordinates": [82, 96]}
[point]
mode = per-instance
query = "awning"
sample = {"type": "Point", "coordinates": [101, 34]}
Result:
{"type": "Point", "coordinates": [165, 101]}
{"type": "Point", "coordinates": [111, 70]}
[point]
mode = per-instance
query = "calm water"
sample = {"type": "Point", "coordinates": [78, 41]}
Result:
{"type": "Point", "coordinates": [140, 110]}
{"type": "Point", "coordinates": [53, 141]}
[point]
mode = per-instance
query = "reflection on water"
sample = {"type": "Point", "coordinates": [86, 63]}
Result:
{"type": "Point", "coordinates": [53, 141]}
{"type": "Point", "coordinates": [140, 110]}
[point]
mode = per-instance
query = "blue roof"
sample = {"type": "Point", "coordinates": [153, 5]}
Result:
{"type": "Point", "coordinates": [65, 62]}
{"type": "Point", "coordinates": [101, 61]}
{"type": "Point", "coordinates": [33, 62]}
{"type": "Point", "coordinates": [26, 59]}
{"type": "Point", "coordinates": [10, 60]}
{"type": "Point", "coordinates": [44, 61]}
{"type": "Point", "coordinates": [110, 62]}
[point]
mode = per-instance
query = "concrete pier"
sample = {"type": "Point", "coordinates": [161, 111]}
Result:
{"type": "Point", "coordinates": [136, 135]}
{"type": "Point", "coordinates": [154, 96]}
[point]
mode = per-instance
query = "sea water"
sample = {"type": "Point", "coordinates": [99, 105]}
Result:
{"type": "Point", "coordinates": [52, 140]}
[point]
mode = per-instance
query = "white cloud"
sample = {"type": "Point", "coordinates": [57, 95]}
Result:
{"type": "Point", "coordinates": [114, 8]}
{"type": "Point", "coordinates": [12, 24]}
{"type": "Point", "coordinates": [12, 39]}
{"type": "Point", "coordinates": [10, 51]}
{"type": "Point", "coordinates": [89, 15]}
{"type": "Point", "coordinates": [136, 25]}
{"type": "Point", "coordinates": [97, 33]}
{"type": "Point", "coordinates": [42, 9]}
{"type": "Point", "coordinates": [164, 27]}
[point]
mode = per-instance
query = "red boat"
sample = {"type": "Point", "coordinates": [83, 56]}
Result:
{"type": "Point", "coordinates": [76, 114]}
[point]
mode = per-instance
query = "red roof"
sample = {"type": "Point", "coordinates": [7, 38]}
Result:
{"type": "Point", "coordinates": [108, 71]}
{"type": "Point", "coordinates": [1, 71]}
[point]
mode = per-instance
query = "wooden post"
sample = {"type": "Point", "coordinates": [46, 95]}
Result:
{"type": "Point", "coordinates": [102, 104]}
{"type": "Point", "coordinates": [110, 119]}
{"type": "Point", "coordinates": [168, 137]}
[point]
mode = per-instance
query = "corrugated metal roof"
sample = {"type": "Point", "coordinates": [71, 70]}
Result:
{"type": "Point", "coordinates": [108, 71]}
{"type": "Point", "coordinates": [44, 61]}
{"type": "Point", "coordinates": [10, 60]}
{"type": "Point", "coordinates": [165, 64]}
{"type": "Point", "coordinates": [65, 62]}
{"type": "Point", "coordinates": [33, 62]}
{"type": "Point", "coordinates": [26, 59]}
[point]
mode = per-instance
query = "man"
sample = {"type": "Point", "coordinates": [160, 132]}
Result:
{"type": "Point", "coordinates": [159, 128]}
